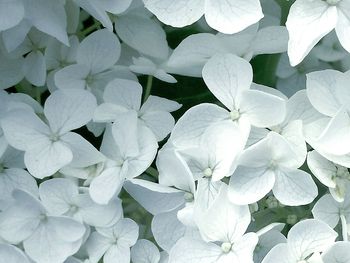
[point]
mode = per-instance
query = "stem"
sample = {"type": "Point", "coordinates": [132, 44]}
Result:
{"type": "Point", "coordinates": [148, 88]}
{"type": "Point", "coordinates": [344, 227]}
{"type": "Point", "coordinates": [38, 95]}
{"type": "Point", "coordinates": [91, 28]}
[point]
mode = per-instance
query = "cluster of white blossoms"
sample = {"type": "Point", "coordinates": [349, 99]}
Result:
{"type": "Point", "coordinates": [94, 167]}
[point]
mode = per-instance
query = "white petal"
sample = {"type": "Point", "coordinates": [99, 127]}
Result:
{"type": "Point", "coordinates": [10, 71]}
{"type": "Point", "coordinates": [54, 240]}
{"type": "Point", "coordinates": [232, 16]}
{"type": "Point", "coordinates": [322, 87]}
{"type": "Point", "coordinates": [155, 198]}
{"type": "Point", "coordinates": [339, 252]}
{"type": "Point", "coordinates": [125, 133]}
{"type": "Point", "coordinates": [104, 187]}
{"type": "Point", "coordinates": [190, 56]}
{"type": "Point", "coordinates": [294, 187]}
{"type": "Point", "coordinates": [98, 215]}
{"type": "Point", "coordinates": [96, 11]}
{"type": "Point", "coordinates": [125, 93]}
{"type": "Point", "coordinates": [293, 133]}
{"type": "Point", "coordinates": [249, 185]}
{"type": "Point", "coordinates": [309, 236]}
{"type": "Point", "coordinates": [271, 40]}
{"type": "Point", "coordinates": [126, 230]}
{"type": "Point", "coordinates": [15, 178]}
{"type": "Point", "coordinates": [145, 251]}
{"type": "Point", "coordinates": [275, 255]}
{"type": "Point", "coordinates": [308, 22]}
{"type": "Point", "coordinates": [167, 229]}
{"type": "Point", "coordinates": [226, 77]}
{"type": "Point", "coordinates": [11, 13]}
{"type": "Point", "coordinates": [47, 158]}
{"type": "Point", "coordinates": [343, 23]}
{"type": "Point", "coordinates": [34, 68]}
{"type": "Point", "coordinates": [72, 77]}
{"type": "Point", "coordinates": [24, 130]}
{"type": "Point", "coordinates": [155, 103]}
{"type": "Point", "coordinates": [69, 109]}
{"type": "Point", "coordinates": [144, 35]}
{"type": "Point", "coordinates": [194, 122]}
{"type": "Point", "coordinates": [21, 219]}
{"type": "Point", "coordinates": [16, 35]}
{"type": "Point", "coordinates": [223, 221]}
{"type": "Point", "coordinates": [84, 153]}
{"type": "Point", "coordinates": [194, 251]}
{"type": "Point", "coordinates": [108, 112]}
{"type": "Point", "coordinates": [12, 254]}
{"type": "Point", "coordinates": [57, 195]}
{"type": "Point", "coordinates": [99, 51]}
{"type": "Point", "coordinates": [174, 171]}
{"type": "Point", "coordinates": [49, 17]}
{"type": "Point", "coordinates": [336, 137]}
{"type": "Point", "coordinates": [120, 251]}
{"type": "Point", "coordinates": [327, 210]}
{"type": "Point", "coordinates": [96, 246]}
{"type": "Point", "coordinates": [244, 247]}
{"type": "Point", "coordinates": [262, 109]}
{"type": "Point", "coordinates": [176, 14]}
{"type": "Point", "coordinates": [161, 123]}
{"type": "Point", "coordinates": [323, 169]}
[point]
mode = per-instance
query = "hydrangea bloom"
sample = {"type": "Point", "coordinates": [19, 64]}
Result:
{"type": "Point", "coordinates": [159, 131]}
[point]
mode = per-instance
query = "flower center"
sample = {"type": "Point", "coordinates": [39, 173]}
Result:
{"type": "Point", "coordinates": [226, 247]}
{"type": "Point", "coordinates": [234, 115]}
{"type": "Point", "coordinates": [54, 137]}
{"type": "Point", "coordinates": [208, 172]}
{"type": "Point", "coordinates": [188, 197]}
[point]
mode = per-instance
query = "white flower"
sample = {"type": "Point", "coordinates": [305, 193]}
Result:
{"type": "Point", "coordinates": [222, 227]}
{"type": "Point", "coordinates": [268, 165]}
{"type": "Point", "coordinates": [190, 56]}
{"type": "Point", "coordinates": [47, 16]}
{"type": "Point", "coordinates": [335, 177]}
{"type": "Point", "coordinates": [58, 56]}
{"type": "Point", "coordinates": [331, 212]}
{"type": "Point", "coordinates": [96, 56]}
{"type": "Point", "coordinates": [9, 253]}
{"type": "Point", "coordinates": [292, 126]}
{"type": "Point", "coordinates": [61, 197]}
{"type": "Point", "coordinates": [12, 175]}
{"type": "Point", "coordinates": [131, 149]}
{"type": "Point", "coordinates": [45, 238]}
{"type": "Point", "coordinates": [49, 147]}
{"type": "Point", "coordinates": [124, 97]}
{"type": "Point", "coordinates": [309, 21]}
{"type": "Point", "coordinates": [114, 242]}
{"type": "Point", "coordinates": [225, 16]}
{"type": "Point", "coordinates": [149, 39]}
{"type": "Point", "coordinates": [307, 238]}
{"type": "Point", "coordinates": [328, 93]}
{"type": "Point", "coordinates": [34, 64]}
{"type": "Point", "coordinates": [229, 78]}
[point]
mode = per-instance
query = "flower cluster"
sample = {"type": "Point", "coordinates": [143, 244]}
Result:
{"type": "Point", "coordinates": [96, 166]}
